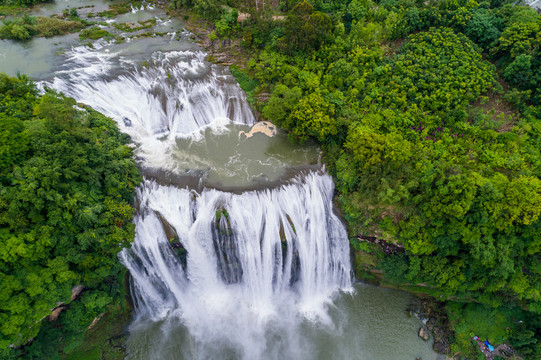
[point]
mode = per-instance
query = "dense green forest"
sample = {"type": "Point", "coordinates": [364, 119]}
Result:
{"type": "Point", "coordinates": [67, 179]}
{"type": "Point", "coordinates": [429, 117]}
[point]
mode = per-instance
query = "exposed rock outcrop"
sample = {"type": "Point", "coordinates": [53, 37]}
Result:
{"type": "Point", "coordinates": [263, 127]}
{"type": "Point", "coordinates": [75, 294]}
{"type": "Point", "coordinates": [77, 291]}
{"type": "Point", "coordinates": [423, 334]}
{"type": "Point", "coordinates": [56, 313]}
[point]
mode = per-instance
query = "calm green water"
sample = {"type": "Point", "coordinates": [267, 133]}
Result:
{"type": "Point", "coordinates": [221, 157]}
{"type": "Point", "coordinates": [370, 324]}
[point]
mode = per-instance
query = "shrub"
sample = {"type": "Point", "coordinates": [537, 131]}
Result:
{"type": "Point", "coordinates": [94, 33]}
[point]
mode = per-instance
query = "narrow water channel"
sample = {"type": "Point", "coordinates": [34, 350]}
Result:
{"type": "Point", "coordinates": [238, 253]}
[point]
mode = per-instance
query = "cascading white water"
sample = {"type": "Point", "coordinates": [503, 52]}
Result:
{"type": "Point", "coordinates": [276, 252]}
{"type": "Point", "coordinates": [174, 93]}
{"type": "Point", "coordinates": [536, 4]}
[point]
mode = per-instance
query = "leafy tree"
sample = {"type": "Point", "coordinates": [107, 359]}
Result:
{"type": "Point", "coordinates": [210, 9]}
{"type": "Point", "coordinates": [305, 29]}
{"type": "Point", "coordinates": [281, 103]}
{"type": "Point", "coordinates": [484, 28]}
{"type": "Point", "coordinates": [358, 9]}
{"type": "Point", "coordinates": [26, 27]}
{"type": "Point", "coordinates": [312, 116]}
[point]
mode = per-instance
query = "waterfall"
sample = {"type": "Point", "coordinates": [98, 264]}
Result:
{"type": "Point", "coordinates": [536, 4]}
{"type": "Point", "coordinates": [237, 274]}
{"type": "Point", "coordinates": [229, 265]}
{"type": "Point", "coordinates": [174, 94]}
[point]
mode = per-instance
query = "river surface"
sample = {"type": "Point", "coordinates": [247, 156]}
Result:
{"type": "Point", "coordinates": [238, 252]}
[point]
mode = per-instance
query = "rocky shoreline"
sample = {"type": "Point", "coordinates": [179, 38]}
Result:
{"type": "Point", "coordinates": [437, 323]}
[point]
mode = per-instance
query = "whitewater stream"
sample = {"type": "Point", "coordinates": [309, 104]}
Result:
{"type": "Point", "coordinates": [238, 252]}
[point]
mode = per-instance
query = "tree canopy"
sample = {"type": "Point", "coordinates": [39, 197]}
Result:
{"type": "Point", "coordinates": [67, 179]}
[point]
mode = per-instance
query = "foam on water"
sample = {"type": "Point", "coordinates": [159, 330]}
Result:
{"type": "Point", "coordinates": [174, 93]}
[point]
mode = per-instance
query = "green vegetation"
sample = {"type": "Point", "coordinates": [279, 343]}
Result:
{"type": "Point", "coordinates": [76, 334]}
{"type": "Point", "coordinates": [22, 2]}
{"type": "Point", "coordinates": [26, 27]}
{"type": "Point", "coordinates": [50, 26]}
{"type": "Point", "coordinates": [106, 340]}
{"type": "Point", "coordinates": [131, 27]}
{"type": "Point", "coordinates": [428, 115]}
{"type": "Point", "coordinates": [221, 212]}
{"type": "Point", "coordinates": [6, 10]}
{"type": "Point", "coordinates": [507, 325]}
{"type": "Point", "coordinates": [67, 179]}
{"type": "Point", "coordinates": [119, 9]}
{"type": "Point", "coordinates": [246, 83]}
{"type": "Point", "coordinates": [95, 33]}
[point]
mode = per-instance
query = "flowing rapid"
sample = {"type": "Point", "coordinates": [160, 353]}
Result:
{"type": "Point", "coordinates": [238, 253]}
{"type": "Point", "coordinates": [174, 94]}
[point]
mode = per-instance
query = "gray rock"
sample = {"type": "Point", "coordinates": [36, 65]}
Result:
{"type": "Point", "coordinates": [76, 291]}
{"type": "Point", "coordinates": [423, 334]}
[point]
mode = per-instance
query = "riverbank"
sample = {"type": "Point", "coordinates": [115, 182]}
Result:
{"type": "Point", "coordinates": [231, 53]}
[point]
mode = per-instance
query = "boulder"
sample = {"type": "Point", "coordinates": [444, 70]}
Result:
{"type": "Point", "coordinates": [56, 313]}
{"type": "Point", "coordinates": [441, 347]}
{"type": "Point", "coordinates": [76, 291]}
{"type": "Point", "coordinates": [263, 127]}
{"type": "Point", "coordinates": [423, 334]}
{"type": "Point", "coordinates": [95, 321]}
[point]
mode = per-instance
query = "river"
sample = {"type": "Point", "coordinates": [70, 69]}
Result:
{"type": "Point", "coordinates": [238, 252]}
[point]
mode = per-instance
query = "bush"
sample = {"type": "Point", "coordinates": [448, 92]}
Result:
{"type": "Point", "coordinates": [49, 26]}
{"type": "Point", "coordinates": [94, 33]}
{"type": "Point", "coordinates": [27, 27]}
{"type": "Point", "coordinates": [18, 29]}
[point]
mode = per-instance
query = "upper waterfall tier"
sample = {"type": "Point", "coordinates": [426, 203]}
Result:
{"type": "Point", "coordinates": [189, 119]}
{"type": "Point", "coordinates": [174, 94]}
